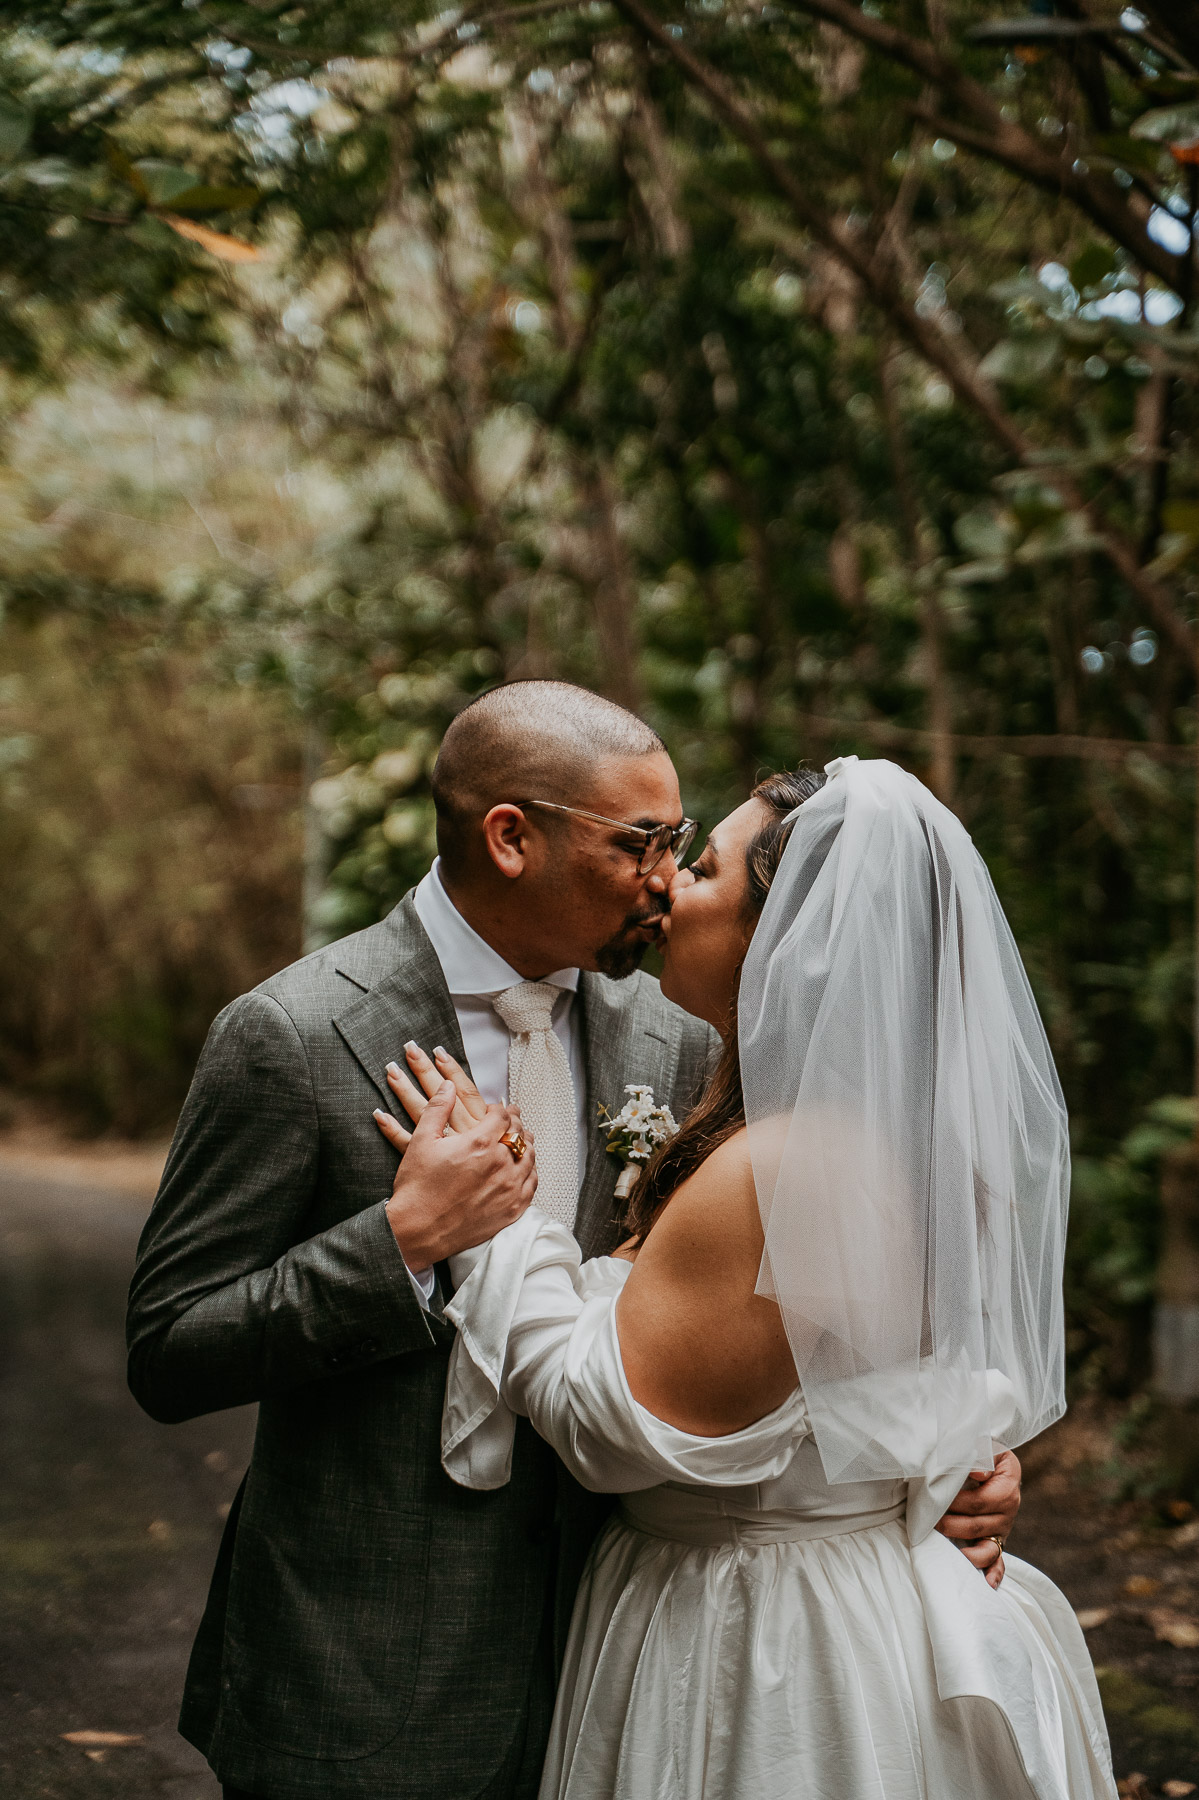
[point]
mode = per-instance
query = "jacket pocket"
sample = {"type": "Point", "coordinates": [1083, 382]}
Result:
{"type": "Point", "coordinates": [325, 1620]}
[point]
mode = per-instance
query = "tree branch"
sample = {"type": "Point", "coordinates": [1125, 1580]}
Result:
{"type": "Point", "coordinates": [1006, 142]}
{"type": "Point", "coordinates": [878, 277]}
{"type": "Point", "coordinates": [1057, 745]}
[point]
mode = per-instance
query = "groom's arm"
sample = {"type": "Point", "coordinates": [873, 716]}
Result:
{"type": "Point", "coordinates": [986, 1509]}
{"type": "Point", "coordinates": [226, 1304]}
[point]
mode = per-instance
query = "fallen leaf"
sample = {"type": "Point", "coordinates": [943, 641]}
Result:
{"type": "Point", "coordinates": [1174, 1628]}
{"type": "Point", "coordinates": [96, 1755]}
{"type": "Point", "coordinates": [1178, 1790]}
{"type": "Point", "coordinates": [1185, 1536]}
{"type": "Point", "coordinates": [1092, 1617]}
{"type": "Point", "coordinates": [217, 243]}
{"type": "Point", "coordinates": [1141, 1586]}
{"type": "Point", "coordinates": [1180, 1509]}
{"type": "Point", "coordinates": [109, 1740]}
{"type": "Point", "coordinates": [1134, 1787]}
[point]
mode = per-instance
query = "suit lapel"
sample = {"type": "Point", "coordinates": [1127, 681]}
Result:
{"type": "Point", "coordinates": [403, 994]}
{"type": "Point", "coordinates": [408, 999]}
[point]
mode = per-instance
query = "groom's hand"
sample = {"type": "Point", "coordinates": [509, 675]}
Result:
{"type": "Point", "coordinates": [985, 1510]}
{"type": "Point", "coordinates": [454, 1192]}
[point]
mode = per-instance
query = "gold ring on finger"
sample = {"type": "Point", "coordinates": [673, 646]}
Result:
{"type": "Point", "coordinates": [997, 1541]}
{"type": "Point", "coordinates": [515, 1143]}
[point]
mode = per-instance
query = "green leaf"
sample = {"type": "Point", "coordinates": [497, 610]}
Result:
{"type": "Point", "coordinates": [977, 574]}
{"type": "Point", "coordinates": [1092, 263]}
{"type": "Point", "coordinates": [982, 535]}
{"type": "Point", "coordinates": [15, 123]}
{"type": "Point", "coordinates": [1174, 548]}
{"type": "Point", "coordinates": [1175, 1110]}
{"type": "Point", "coordinates": [124, 169]}
{"type": "Point", "coordinates": [1127, 152]}
{"type": "Point", "coordinates": [1168, 124]}
{"type": "Point", "coordinates": [1182, 516]}
{"type": "Point", "coordinates": [1066, 536]}
{"type": "Point", "coordinates": [1021, 360]}
{"type": "Point", "coordinates": [196, 200]}
{"type": "Point", "coordinates": [163, 181]}
{"type": "Point", "coordinates": [18, 346]}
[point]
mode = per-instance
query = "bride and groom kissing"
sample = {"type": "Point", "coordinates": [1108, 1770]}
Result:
{"type": "Point", "coordinates": [698, 1497]}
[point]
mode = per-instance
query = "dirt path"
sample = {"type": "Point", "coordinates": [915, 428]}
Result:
{"type": "Point", "coordinates": [1132, 1575]}
{"type": "Point", "coordinates": [108, 1522]}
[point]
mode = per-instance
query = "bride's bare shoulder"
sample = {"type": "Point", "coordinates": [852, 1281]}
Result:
{"type": "Point", "coordinates": [715, 1212]}
{"type": "Point", "coordinates": [701, 1348]}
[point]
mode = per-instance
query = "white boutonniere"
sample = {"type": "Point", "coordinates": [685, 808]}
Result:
{"type": "Point", "coordinates": [635, 1132]}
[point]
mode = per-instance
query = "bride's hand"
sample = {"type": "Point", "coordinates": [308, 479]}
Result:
{"type": "Point", "coordinates": [468, 1108]}
{"type": "Point", "coordinates": [430, 1072]}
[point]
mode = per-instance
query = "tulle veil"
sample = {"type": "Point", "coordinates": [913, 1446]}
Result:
{"type": "Point", "coordinates": [909, 1141]}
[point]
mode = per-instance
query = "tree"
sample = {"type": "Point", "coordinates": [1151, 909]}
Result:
{"type": "Point", "coordinates": [817, 377]}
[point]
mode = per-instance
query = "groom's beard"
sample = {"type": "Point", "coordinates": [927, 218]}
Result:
{"type": "Point", "coordinates": [623, 952]}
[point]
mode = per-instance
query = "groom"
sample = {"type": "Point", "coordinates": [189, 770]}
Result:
{"type": "Point", "coordinates": [374, 1632]}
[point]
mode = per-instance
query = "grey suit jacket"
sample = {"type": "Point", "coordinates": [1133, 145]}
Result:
{"type": "Point", "coordinates": [371, 1628]}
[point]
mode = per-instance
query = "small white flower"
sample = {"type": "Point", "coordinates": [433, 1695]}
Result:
{"type": "Point", "coordinates": [636, 1131]}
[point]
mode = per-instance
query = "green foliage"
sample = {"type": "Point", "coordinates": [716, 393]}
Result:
{"type": "Point", "coordinates": [148, 865]}
{"type": "Point", "coordinates": [1114, 1244]}
{"type": "Point", "coordinates": [832, 433]}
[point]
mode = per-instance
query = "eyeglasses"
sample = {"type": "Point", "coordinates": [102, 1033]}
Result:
{"type": "Point", "coordinates": [651, 844]}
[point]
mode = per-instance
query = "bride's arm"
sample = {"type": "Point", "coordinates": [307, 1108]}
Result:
{"type": "Point", "coordinates": [538, 1336]}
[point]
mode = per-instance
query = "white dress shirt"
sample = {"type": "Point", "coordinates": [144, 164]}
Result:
{"type": "Point", "coordinates": [474, 972]}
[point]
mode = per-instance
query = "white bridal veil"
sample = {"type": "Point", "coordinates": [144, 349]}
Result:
{"type": "Point", "coordinates": [909, 1140]}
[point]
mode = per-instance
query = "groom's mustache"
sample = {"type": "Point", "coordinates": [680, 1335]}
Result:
{"type": "Point", "coordinates": [653, 914]}
{"type": "Point", "coordinates": [623, 952]}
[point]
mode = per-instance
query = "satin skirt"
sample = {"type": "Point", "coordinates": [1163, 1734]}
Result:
{"type": "Point", "coordinates": [775, 1658]}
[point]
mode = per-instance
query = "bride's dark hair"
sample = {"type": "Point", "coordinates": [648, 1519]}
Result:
{"type": "Point", "coordinates": [720, 1110]}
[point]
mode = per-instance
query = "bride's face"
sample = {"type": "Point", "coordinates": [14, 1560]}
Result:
{"type": "Point", "coordinates": [710, 923]}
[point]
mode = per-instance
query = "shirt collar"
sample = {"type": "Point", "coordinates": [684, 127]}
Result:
{"type": "Point", "coordinates": [468, 962]}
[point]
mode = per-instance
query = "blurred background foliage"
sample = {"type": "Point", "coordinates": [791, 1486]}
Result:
{"type": "Point", "coordinates": [812, 377]}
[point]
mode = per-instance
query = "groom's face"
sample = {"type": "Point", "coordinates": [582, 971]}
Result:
{"type": "Point", "coordinates": [586, 896]}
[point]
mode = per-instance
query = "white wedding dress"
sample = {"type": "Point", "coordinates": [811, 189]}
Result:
{"type": "Point", "coordinates": [744, 1630]}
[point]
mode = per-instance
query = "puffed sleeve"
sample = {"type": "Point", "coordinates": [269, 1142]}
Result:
{"type": "Point", "coordinates": [537, 1336]}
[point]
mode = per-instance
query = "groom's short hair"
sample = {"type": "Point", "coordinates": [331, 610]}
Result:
{"type": "Point", "coordinates": [527, 740]}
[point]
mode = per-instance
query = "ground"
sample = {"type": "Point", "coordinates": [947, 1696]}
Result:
{"type": "Point", "coordinates": [109, 1523]}
{"type": "Point", "coordinates": [1132, 1574]}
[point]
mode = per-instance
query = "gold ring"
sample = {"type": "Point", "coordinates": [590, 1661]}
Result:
{"type": "Point", "coordinates": [515, 1143]}
{"type": "Point", "coordinates": [997, 1540]}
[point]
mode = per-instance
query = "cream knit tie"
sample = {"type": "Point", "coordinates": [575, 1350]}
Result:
{"type": "Point", "coordinates": [540, 1083]}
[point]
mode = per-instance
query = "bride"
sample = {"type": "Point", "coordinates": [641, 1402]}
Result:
{"type": "Point", "coordinates": [841, 1293]}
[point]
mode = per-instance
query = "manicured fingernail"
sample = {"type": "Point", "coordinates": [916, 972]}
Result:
{"type": "Point", "coordinates": [393, 1068]}
{"type": "Point", "coordinates": [411, 1045]}
{"type": "Point", "coordinates": [438, 1050]}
